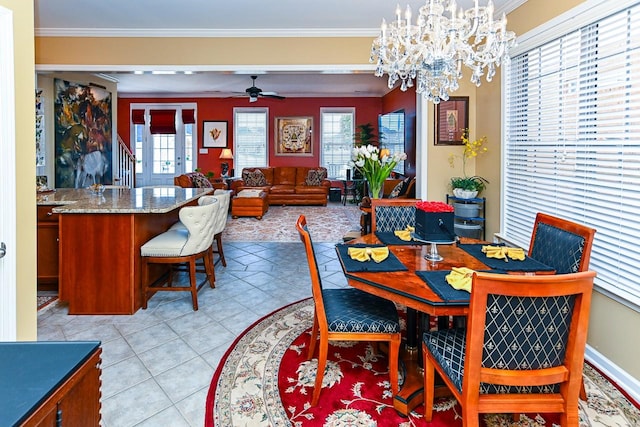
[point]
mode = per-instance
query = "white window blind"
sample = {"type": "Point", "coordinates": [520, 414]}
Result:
{"type": "Point", "coordinates": [572, 143]}
{"type": "Point", "coordinates": [336, 140]}
{"type": "Point", "coordinates": [250, 133]}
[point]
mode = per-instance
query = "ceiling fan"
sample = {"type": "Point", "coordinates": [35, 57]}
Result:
{"type": "Point", "coordinates": [255, 92]}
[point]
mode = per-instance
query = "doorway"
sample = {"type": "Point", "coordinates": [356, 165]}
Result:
{"type": "Point", "coordinates": [164, 140]}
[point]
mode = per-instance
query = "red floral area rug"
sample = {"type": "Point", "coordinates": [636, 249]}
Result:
{"type": "Point", "coordinates": [264, 379]}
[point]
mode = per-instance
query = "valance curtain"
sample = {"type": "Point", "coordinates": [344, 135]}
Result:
{"type": "Point", "coordinates": [137, 117]}
{"type": "Point", "coordinates": [189, 117]}
{"type": "Point", "coordinates": [163, 121]}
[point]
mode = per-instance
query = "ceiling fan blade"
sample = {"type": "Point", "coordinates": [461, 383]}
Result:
{"type": "Point", "coordinates": [267, 95]}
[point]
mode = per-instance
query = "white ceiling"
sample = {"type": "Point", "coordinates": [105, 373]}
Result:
{"type": "Point", "coordinates": [202, 18]}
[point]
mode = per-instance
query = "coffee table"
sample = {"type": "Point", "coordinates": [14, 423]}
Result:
{"type": "Point", "coordinates": [249, 203]}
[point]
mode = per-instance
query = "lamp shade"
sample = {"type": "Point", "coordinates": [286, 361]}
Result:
{"type": "Point", "coordinates": [226, 153]}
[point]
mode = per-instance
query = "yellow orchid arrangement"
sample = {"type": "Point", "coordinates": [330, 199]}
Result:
{"type": "Point", "coordinates": [471, 150]}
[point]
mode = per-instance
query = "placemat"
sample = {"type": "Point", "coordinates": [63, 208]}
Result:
{"type": "Point", "coordinates": [388, 238]}
{"type": "Point", "coordinates": [392, 263]}
{"type": "Point", "coordinates": [436, 281]}
{"type": "Point", "coordinates": [529, 264]}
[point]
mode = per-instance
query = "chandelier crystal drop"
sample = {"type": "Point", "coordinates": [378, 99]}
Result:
{"type": "Point", "coordinates": [432, 51]}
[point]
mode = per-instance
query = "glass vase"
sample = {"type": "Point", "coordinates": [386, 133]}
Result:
{"type": "Point", "coordinates": [375, 189]}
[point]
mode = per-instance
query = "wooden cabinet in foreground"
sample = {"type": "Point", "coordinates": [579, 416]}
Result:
{"type": "Point", "coordinates": [47, 248]}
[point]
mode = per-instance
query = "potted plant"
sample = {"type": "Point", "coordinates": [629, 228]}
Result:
{"type": "Point", "coordinates": [468, 187]}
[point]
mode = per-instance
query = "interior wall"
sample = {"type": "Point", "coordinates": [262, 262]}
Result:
{"type": "Point", "coordinates": [25, 152]}
{"type": "Point", "coordinates": [208, 51]}
{"type": "Point", "coordinates": [398, 100]}
{"type": "Point", "coordinates": [221, 109]}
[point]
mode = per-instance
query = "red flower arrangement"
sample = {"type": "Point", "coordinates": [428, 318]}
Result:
{"type": "Point", "coordinates": [428, 206]}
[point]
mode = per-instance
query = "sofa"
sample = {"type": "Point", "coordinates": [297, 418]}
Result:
{"type": "Point", "coordinates": [287, 185]}
{"type": "Point", "coordinates": [198, 180]}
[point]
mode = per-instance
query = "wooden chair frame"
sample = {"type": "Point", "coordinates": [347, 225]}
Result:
{"type": "Point", "coordinates": [568, 375]}
{"type": "Point", "coordinates": [587, 233]}
{"type": "Point", "coordinates": [321, 327]}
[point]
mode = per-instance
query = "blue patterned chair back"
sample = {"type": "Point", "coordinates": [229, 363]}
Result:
{"type": "Point", "coordinates": [392, 218]}
{"type": "Point", "coordinates": [523, 333]}
{"type": "Point", "coordinates": [558, 248]}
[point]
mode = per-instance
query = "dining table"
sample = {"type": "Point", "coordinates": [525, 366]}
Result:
{"type": "Point", "coordinates": [407, 278]}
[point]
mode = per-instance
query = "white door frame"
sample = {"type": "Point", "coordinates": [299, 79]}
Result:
{"type": "Point", "coordinates": [8, 309]}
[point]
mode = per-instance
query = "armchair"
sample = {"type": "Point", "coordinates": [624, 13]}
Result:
{"type": "Point", "coordinates": [522, 351]}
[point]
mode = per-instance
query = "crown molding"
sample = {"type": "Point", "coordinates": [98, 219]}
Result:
{"type": "Point", "coordinates": [206, 33]}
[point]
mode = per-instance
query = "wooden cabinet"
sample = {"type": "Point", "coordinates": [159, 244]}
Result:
{"type": "Point", "coordinates": [47, 248]}
{"type": "Point", "coordinates": [50, 384]}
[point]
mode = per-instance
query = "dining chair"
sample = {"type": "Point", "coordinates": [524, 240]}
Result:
{"type": "Point", "coordinates": [563, 245]}
{"type": "Point", "coordinates": [522, 350]}
{"type": "Point", "coordinates": [180, 246]}
{"type": "Point", "coordinates": [392, 214]}
{"type": "Point", "coordinates": [347, 315]}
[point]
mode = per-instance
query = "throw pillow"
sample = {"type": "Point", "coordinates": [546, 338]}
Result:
{"type": "Point", "coordinates": [405, 185]}
{"type": "Point", "coordinates": [200, 181]}
{"type": "Point", "coordinates": [397, 190]}
{"type": "Point", "coordinates": [315, 177]}
{"type": "Point", "coordinates": [254, 179]}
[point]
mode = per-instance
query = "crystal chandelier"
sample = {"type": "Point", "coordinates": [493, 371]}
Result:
{"type": "Point", "coordinates": [433, 50]}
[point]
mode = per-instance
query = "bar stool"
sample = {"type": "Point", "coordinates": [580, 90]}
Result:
{"type": "Point", "coordinates": [180, 246]}
{"type": "Point", "coordinates": [224, 197]}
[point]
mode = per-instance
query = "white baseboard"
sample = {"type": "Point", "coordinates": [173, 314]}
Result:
{"type": "Point", "coordinates": [625, 381]}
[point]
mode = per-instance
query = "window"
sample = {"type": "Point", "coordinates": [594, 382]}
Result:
{"type": "Point", "coordinates": [572, 142]}
{"type": "Point", "coordinates": [336, 140]}
{"type": "Point", "coordinates": [250, 133]}
{"type": "Point", "coordinates": [392, 135]}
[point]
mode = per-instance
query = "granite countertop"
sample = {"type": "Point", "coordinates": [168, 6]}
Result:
{"type": "Point", "coordinates": [119, 200]}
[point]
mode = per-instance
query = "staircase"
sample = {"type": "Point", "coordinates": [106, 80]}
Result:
{"type": "Point", "coordinates": [124, 166]}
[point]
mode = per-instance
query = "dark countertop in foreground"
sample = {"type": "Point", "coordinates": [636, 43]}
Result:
{"type": "Point", "coordinates": [120, 200]}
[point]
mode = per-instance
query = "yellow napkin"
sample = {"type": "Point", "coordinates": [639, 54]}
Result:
{"type": "Point", "coordinates": [502, 252]}
{"type": "Point", "coordinates": [378, 254]}
{"type": "Point", "coordinates": [460, 278]}
{"type": "Point", "coordinates": [405, 234]}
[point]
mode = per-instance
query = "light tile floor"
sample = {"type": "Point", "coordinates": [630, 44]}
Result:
{"type": "Point", "coordinates": [158, 363]}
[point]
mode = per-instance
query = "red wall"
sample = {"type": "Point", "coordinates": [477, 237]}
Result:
{"type": "Point", "coordinates": [221, 109]}
{"type": "Point", "coordinates": [399, 100]}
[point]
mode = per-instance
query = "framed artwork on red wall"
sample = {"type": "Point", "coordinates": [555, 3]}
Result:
{"type": "Point", "coordinates": [214, 134]}
{"type": "Point", "coordinates": [293, 136]}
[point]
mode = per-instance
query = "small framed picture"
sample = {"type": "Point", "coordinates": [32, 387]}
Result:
{"type": "Point", "coordinates": [214, 134]}
{"type": "Point", "coordinates": [452, 118]}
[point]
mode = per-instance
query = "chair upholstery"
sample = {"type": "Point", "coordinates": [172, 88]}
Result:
{"type": "Point", "coordinates": [183, 245]}
{"type": "Point", "coordinates": [224, 198]}
{"type": "Point", "coordinates": [561, 244]}
{"type": "Point", "coordinates": [392, 214]}
{"type": "Point", "coordinates": [522, 351]}
{"type": "Point", "coordinates": [347, 315]}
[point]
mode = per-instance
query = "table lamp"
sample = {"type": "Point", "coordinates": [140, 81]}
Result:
{"type": "Point", "coordinates": [225, 155]}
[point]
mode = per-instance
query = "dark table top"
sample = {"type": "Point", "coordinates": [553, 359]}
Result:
{"type": "Point", "coordinates": [31, 371]}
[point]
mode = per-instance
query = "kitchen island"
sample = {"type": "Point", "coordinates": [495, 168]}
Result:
{"type": "Point", "coordinates": [100, 236]}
